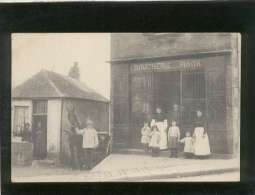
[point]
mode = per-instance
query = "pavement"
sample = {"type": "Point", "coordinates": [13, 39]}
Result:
{"type": "Point", "coordinates": [139, 168]}
{"type": "Point", "coordinates": [221, 177]}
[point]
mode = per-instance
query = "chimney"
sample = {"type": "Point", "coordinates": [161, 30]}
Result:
{"type": "Point", "coordinates": [74, 71]}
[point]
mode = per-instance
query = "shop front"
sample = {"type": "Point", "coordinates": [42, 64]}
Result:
{"type": "Point", "coordinates": [183, 84]}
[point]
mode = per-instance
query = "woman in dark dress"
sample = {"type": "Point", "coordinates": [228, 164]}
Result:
{"type": "Point", "coordinates": [201, 140]}
{"type": "Point", "coordinates": [27, 134]}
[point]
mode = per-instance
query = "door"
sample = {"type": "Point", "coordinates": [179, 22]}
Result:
{"type": "Point", "coordinates": [183, 90]}
{"type": "Point", "coordinates": [167, 90]}
{"type": "Point", "coordinates": [39, 130]}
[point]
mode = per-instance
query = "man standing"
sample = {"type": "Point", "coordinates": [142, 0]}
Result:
{"type": "Point", "coordinates": [76, 159]}
{"type": "Point", "coordinates": [90, 143]}
{"type": "Point", "coordinates": [75, 140]}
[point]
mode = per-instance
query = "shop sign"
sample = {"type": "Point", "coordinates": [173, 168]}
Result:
{"type": "Point", "coordinates": [166, 66]}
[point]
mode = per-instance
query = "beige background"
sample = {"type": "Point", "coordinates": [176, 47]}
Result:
{"type": "Point", "coordinates": [57, 52]}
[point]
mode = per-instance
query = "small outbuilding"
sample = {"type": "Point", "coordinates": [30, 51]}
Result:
{"type": "Point", "coordinates": [45, 100]}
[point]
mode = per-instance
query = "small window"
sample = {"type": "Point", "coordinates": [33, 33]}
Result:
{"type": "Point", "coordinates": [20, 118]}
{"type": "Point", "coordinates": [40, 107]}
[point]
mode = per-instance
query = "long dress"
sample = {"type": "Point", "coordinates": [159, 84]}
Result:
{"type": "Point", "coordinates": [146, 132]}
{"type": "Point", "coordinates": [188, 144]}
{"type": "Point", "coordinates": [201, 142]}
{"type": "Point", "coordinates": [155, 139]}
{"type": "Point", "coordinates": [161, 123]}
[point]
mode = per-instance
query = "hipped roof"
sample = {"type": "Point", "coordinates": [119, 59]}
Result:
{"type": "Point", "coordinates": [48, 84]}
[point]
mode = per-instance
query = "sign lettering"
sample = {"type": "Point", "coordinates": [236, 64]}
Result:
{"type": "Point", "coordinates": [167, 66]}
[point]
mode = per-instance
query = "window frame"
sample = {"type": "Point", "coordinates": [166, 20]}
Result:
{"type": "Point", "coordinates": [15, 119]}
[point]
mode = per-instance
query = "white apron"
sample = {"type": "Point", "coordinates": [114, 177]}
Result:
{"type": "Point", "coordinates": [201, 144]}
{"type": "Point", "coordinates": [162, 127]}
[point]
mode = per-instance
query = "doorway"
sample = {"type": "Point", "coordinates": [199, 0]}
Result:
{"type": "Point", "coordinates": [183, 89]}
{"type": "Point", "coordinates": [150, 90]}
{"type": "Point", "coordinates": [167, 90]}
{"type": "Point", "coordinates": [40, 129]}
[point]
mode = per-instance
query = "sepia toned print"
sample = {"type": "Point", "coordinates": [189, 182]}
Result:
{"type": "Point", "coordinates": [158, 107]}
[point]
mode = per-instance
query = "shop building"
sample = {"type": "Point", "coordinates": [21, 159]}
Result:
{"type": "Point", "coordinates": [195, 71]}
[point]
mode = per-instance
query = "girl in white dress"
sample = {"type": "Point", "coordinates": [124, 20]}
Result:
{"type": "Point", "coordinates": [188, 145]}
{"type": "Point", "coordinates": [145, 139]}
{"type": "Point", "coordinates": [155, 141]}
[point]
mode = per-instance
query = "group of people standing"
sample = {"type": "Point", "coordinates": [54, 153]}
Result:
{"type": "Point", "coordinates": [157, 135]}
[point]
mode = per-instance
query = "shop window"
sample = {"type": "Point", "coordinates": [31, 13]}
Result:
{"type": "Point", "coordinates": [193, 96]}
{"type": "Point", "coordinates": [20, 118]}
{"type": "Point", "coordinates": [193, 85]}
{"type": "Point", "coordinates": [141, 82]}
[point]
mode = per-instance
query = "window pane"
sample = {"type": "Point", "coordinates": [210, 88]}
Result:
{"type": "Point", "coordinates": [193, 85]}
{"type": "Point", "coordinates": [20, 118]}
{"type": "Point", "coordinates": [40, 107]}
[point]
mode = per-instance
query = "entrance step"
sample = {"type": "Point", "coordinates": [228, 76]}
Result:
{"type": "Point", "coordinates": [44, 163]}
{"type": "Point", "coordinates": [164, 153]}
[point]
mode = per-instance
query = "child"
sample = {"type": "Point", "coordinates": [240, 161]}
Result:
{"type": "Point", "coordinates": [188, 145]}
{"type": "Point", "coordinates": [155, 141]}
{"type": "Point", "coordinates": [145, 139]}
{"type": "Point", "coordinates": [173, 138]}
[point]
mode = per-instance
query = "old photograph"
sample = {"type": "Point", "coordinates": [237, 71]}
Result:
{"type": "Point", "coordinates": [125, 107]}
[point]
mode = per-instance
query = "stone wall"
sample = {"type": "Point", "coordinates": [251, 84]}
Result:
{"type": "Point", "coordinates": [120, 104]}
{"type": "Point", "coordinates": [142, 45]}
